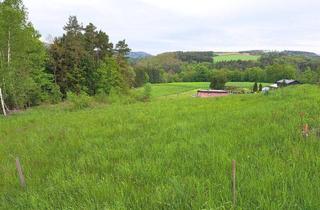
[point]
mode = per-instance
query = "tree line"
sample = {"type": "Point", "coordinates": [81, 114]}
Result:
{"type": "Point", "coordinates": [168, 67]}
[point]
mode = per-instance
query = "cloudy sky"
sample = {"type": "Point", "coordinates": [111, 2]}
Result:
{"type": "Point", "coordinates": [156, 26]}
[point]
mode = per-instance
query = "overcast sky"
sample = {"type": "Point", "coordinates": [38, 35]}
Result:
{"type": "Point", "coordinates": [156, 26]}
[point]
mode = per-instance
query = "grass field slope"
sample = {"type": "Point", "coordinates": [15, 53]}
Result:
{"type": "Point", "coordinates": [189, 88]}
{"type": "Point", "coordinates": [225, 57]}
{"type": "Point", "coordinates": [171, 153]}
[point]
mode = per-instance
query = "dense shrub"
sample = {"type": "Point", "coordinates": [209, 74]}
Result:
{"type": "Point", "coordinates": [218, 80]}
{"type": "Point", "coordinates": [79, 101]}
{"type": "Point", "coordinates": [146, 95]}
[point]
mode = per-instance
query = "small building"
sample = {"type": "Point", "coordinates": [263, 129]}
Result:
{"type": "Point", "coordinates": [212, 93]}
{"type": "Point", "coordinates": [287, 82]}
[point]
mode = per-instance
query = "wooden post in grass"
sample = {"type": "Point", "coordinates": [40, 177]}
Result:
{"type": "Point", "coordinates": [20, 173]}
{"type": "Point", "coordinates": [234, 189]}
{"type": "Point", "coordinates": [306, 130]}
{"type": "Point", "coordinates": [2, 104]}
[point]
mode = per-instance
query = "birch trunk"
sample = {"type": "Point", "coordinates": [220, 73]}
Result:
{"type": "Point", "coordinates": [2, 104]}
{"type": "Point", "coordinates": [9, 46]}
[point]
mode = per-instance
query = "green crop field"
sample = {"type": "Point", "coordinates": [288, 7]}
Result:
{"type": "Point", "coordinates": [170, 153]}
{"type": "Point", "coordinates": [235, 57]}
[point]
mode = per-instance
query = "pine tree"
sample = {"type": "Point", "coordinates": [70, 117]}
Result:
{"type": "Point", "coordinates": [260, 87]}
{"type": "Point", "coordinates": [121, 52]}
{"type": "Point", "coordinates": [67, 55]}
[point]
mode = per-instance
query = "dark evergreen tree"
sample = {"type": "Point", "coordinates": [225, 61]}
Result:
{"type": "Point", "coordinates": [122, 49]}
{"type": "Point", "coordinates": [255, 87]}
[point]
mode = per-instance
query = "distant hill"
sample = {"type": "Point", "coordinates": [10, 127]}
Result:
{"type": "Point", "coordinates": [283, 53]}
{"type": "Point", "coordinates": [254, 52]}
{"type": "Point", "coordinates": [299, 53]}
{"type": "Point", "coordinates": [138, 55]}
{"type": "Point", "coordinates": [253, 55]}
{"type": "Point", "coordinates": [249, 57]}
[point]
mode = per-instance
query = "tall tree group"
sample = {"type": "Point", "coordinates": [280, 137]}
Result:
{"type": "Point", "coordinates": [84, 60]}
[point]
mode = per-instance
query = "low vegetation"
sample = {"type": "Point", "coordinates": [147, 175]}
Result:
{"type": "Point", "coordinates": [181, 159]}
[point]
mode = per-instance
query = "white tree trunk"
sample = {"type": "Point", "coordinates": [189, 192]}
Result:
{"type": "Point", "coordinates": [9, 46]}
{"type": "Point", "coordinates": [2, 104]}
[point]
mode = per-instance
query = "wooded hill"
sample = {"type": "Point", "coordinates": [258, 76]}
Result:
{"type": "Point", "coordinates": [199, 67]}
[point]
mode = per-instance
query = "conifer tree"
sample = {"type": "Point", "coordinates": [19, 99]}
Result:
{"type": "Point", "coordinates": [255, 87]}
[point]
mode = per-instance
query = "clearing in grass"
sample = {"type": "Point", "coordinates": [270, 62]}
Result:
{"type": "Point", "coordinates": [235, 57]}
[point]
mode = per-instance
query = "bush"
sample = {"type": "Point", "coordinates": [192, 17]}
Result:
{"type": "Point", "coordinates": [55, 95]}
{"type": "Point", "coordinates": [114, 95]}
{"type": "Point", "coordinates": [79, 101]}
{"type": "Point", "coordinates": [147, 92]}
{"type": "Point", "coordinates": [145, 95]}
{"type": "Point", "coordinates": [218, 80]}
{"type": "Point", "coordinates": [101, 97]}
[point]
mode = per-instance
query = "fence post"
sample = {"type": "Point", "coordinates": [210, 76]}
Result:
{"type": "Point", "coordinates": [234, 189]}
{"type": "Point", "coordinates": [20, 173]}
{"type": "Point", "coordinates": [306, 130]}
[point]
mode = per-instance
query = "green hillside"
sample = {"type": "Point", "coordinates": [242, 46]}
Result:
{"type": "Point", "coordinates": [235, 57]}
{"type": "Point", "coordinates": [173, 153]}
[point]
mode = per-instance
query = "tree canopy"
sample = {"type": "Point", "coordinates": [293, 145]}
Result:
{"type": "Point", "coordinates": [84, 58]}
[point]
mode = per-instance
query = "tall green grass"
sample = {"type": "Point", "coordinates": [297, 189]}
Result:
{"type": "Point", "coordinates": [173, 153]}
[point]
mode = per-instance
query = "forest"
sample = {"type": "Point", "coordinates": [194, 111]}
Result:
{"type": "Point", "coordinates": [270, 67]}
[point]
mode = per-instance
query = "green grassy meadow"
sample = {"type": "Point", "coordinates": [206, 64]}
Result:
{"type": "Point", "coordinates": [235, 57]}
{"type": "Point", "coordinates": [170, 153]}
{"type": "Point", "coordinates": [187, 88]}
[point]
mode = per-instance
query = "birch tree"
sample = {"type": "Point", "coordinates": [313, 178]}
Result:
{"type": "Point", "coordinates": [22, 58]}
